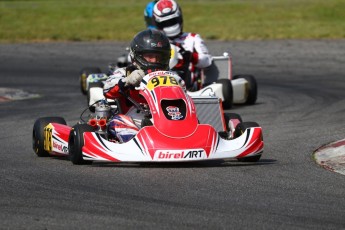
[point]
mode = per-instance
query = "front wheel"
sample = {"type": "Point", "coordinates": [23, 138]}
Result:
{"type": "Point", "coordinates": [232, 120]}
{"type": "Point", "coordinates": [76, 143]}
{"type": "Point", "coordinates": [38, 136]}
{"type": "Point", "coordinates": [227, 92]}
{"type": "Point", "coordinates": [84, 73]}
{"type": "Point", "coordinates": [240, 129]}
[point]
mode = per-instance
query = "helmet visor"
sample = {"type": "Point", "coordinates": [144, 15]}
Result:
{"type": "Point", "coordinates": [153, 57]}
{"type": "Point", "coordinates": [168, 23]}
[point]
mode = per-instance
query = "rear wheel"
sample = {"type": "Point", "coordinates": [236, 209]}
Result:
{"type": "Point", "coordinates": [231, 116]}
{"type": "Point", "coordinates": [227, 92]}
{"type": "Point", "coordinates": [84, 73]}
{"type": "Point", "coordinates": [253, 88]}
{"type": "Point", "coordinates": [240, 129]}
{"type": "Point", "coordinates": [38, 134]}
{"type": "Point", "coordinates": [76, 143]}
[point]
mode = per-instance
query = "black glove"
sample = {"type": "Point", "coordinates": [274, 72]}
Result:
{"type": "Point", "coordinates": [122, 86]}
{"type": "Point", "coordinates": [187, 55]}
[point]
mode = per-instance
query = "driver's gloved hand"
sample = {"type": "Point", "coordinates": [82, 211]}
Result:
{"type": "Point", "coordinates": [187, 55]}
{"type": "Point", "coordinates": [122, 86]}
{"type": "Point", "coordinates": [134, 78]}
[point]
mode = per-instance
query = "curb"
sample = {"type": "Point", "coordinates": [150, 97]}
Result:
{"type": "Point", "coordinates": [10, 94]}
{"type": "Point", "coordinates": [332, 156]}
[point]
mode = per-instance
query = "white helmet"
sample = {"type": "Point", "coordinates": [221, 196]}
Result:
{"type": "Point", "coordinates": [168, 17]}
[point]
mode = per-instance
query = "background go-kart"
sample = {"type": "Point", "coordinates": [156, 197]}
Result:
{"type": "Point", "coordinates": [300, 107]}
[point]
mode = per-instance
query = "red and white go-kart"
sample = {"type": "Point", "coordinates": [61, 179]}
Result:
{"type": "Point", "coordinates": [174, 128]}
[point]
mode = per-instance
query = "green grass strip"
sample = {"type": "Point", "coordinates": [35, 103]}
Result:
{"type": "Point", "coordinates": [118, 20]}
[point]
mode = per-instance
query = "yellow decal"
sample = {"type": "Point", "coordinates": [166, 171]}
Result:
{"type": "Point", "coordinates": [161, 81]}
{"type": "Point", "coordinates": [172, 53]}
{"type": "Point", "coordinates": [48, 141]}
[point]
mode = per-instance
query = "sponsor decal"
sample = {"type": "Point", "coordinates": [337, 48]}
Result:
{"type": "Point", "coordinates": [171, 155]}
{"type": "Point", "coordinates": [158, 44]}
{"type": "Point", "coordinates": [174, 112]}
{"type": "Point", "coordinates": [162, 73]}
{"type": "Point", "coordinates": [59, 147]}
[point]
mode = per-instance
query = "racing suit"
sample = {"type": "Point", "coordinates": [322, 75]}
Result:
{"type": "Point", "coordinates": [126, 124]}
{"type": "Point", "coordinates": [128, 121]}
{"type": "Point", "coordinates": [112, 88]}
{"type": "Point", "coordinates": [192, 55]}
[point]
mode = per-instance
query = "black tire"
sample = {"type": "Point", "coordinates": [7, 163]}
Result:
{"type": "Point", "coordinates": [227, 93]}
{"type": "Point", "coordinates": [84, 73]}
{"type": "Point", "coordinates": [240, 129]}
{"type": "Point", "coordinates": [38, 134]}
{"type": "Point", "coordinates": [224, 135]}
{"type": "Point", "coordinates": [255, 158]}
{"type": "Point", "coordinates": [253, 88]}
{"type": "Point", "coordinates": [229, 116]}
{"type": "Point", "coordinates": [76, 142]}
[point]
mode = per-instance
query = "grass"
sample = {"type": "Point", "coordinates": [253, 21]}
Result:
{"type": "Point", "coordinates": [93, 20]}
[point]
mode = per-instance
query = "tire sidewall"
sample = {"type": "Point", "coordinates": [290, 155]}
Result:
{"type": "Point", "coordinates": [84, 73]}
{"type": "Point", "coordinates": [227, 92]}
{"type": "Point", "coordinates": [241, 127]}
{"type": "Point", "coordinates": [76, 143]}
{"type": "Point", "coordinates": [253, 88]}
{"type": "Point", "coordinates": [38, 134]}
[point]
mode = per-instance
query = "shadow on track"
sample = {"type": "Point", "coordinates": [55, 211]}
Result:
{"type": "Point", "coordinates": [200, 164]}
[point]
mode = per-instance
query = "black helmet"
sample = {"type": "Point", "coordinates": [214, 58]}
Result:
{"type": "Point", "coordinates": [150, 41]}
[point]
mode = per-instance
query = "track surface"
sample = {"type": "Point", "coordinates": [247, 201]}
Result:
{"type": "Point", "coordinates": [301, 105]}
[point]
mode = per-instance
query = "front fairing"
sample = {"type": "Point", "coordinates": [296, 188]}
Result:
{"type": "Point", "coordinates": [173, 111]}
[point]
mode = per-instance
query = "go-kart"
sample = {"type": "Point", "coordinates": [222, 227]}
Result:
{"type": "Point", "coordinates": [174, 128]}
{"type": "Point", "coordinates": [216, 79]}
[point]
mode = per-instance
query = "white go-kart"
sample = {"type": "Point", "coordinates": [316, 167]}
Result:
{"type": "Point", "coordinates": [215, 80]}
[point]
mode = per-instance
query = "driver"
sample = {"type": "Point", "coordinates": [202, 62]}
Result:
{"type": "Point", "coordinates": [193, 52]}
{"type": "Point", "coordinates": [148, 15]}
{"type": "Point", "coordinates": [149, 52]}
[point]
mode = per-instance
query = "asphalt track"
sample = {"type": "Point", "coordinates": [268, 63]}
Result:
{"type": "Point", "coordinates": [301, 106]}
